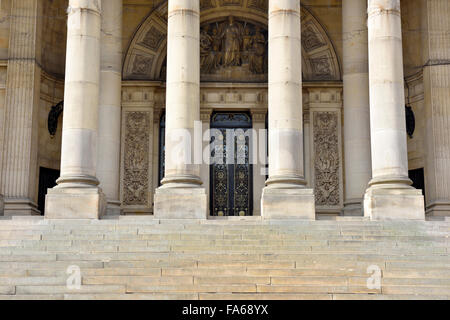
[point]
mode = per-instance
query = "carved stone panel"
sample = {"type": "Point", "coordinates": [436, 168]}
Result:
{"type": "Point", "coordinates": [137, 137]}
{"type": "Point", "coordinates": [153, 39]}
{"type": "Point", "coordinates": [327, 159]}
{"type": "Point", "coordinates": [233, 50]}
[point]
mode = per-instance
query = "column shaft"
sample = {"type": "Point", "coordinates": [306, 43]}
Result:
{"type": "Point", "coordinates": [108, 162]}
{"type": "Point", "coordinates": [77, 194]}
{"type": "Point", "coordinates": [390, 195]}
{"type": "Point", "coordinates": [436, 37]}
{"type": "Point", "coordinates": [286, 195]}
{"type": "Point", "coordinates": [388, 127]}
{"type": "Point", "coordinates": [358, 170]}
{"type": "Point", "coordinates": [183, 92]}
{"type": "Point", "coordinates": [285, 95]}
{"type": "Point", "coordinates": [181, 195]}
{"type": "Point", "coordinates": [19, 172]}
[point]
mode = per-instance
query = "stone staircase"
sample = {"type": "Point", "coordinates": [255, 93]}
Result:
{"type": "Point", "coordinates": [145, 258]}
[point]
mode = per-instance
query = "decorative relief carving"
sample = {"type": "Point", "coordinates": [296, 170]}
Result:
{"type": "Point", "coordinates": [136, 159]}
{"type": "Point", "coordinates": [310, 39]}
{"type": "Point", "coordinates": [321, 68]}
{"type": "Point", "coordinates": [262, 5]}
{"type": "Point", "coordinates": [327, 159]}
{"type": "Point", "coordinates": [153, 39]}
{"type": "Point", "coordinates": [233, 50]}
{"type": "Point", "coordinates": [142, 65]}
{"type": "Point", "coordinates": [206, 4]}
{"type": "Point", "coordinates": [246, 64]}
{"type": "Point", "coordinates": [231, 3]}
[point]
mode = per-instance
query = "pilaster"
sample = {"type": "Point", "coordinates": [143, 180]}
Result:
{"type": "Point", "coordinates": [19, 171]}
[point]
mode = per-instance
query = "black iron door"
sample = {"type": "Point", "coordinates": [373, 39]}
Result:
{"type": "Point", "coordinates": [231, 171]}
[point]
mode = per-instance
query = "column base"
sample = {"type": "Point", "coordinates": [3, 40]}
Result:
{"type": "Point", "coordinates": [287, 204]}
{"type": "Point", "coordinates": [394, 204]}
{"type": "Point", "coordinates": [439, 209]}
{"type": "Point", "coordinates": [19, 207]}
{"type": "Point", "coordinates": [113, 208]}
{"type": "Point", "coordinates": [353, 209]}
{"type": "Point", "coordinates": [75, 203]}
{"type": "Point", "coordinates": [180, 203]}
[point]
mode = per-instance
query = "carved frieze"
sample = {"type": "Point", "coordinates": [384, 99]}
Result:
{"type": "Point", "coordinates": [326, 158]}
{"type": "Point", "coordinates": [136, 159]}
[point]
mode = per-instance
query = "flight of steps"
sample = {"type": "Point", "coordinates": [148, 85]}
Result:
{"type": "Point", "coordinates": [145, 258]}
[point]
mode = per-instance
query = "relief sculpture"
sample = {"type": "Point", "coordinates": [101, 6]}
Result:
{"type": "Point", "coordinates": [327, 161]}
{"type": "Point", "coordinates": [136, 165]}
{"type": "Point", "coordinates": [233, 50]}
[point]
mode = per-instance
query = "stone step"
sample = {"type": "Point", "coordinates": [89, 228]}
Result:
{"type": "Point", "coordinates": [126, 258]}
{"type": "Point", "coordinates": [50, 290]}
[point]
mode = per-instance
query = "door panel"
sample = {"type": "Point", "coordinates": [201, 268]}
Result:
{"type": "Point", "coordinates": [231, 181]}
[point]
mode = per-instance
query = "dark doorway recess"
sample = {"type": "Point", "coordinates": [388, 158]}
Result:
{"type": "Point", "coordinates": [418, 178]}
{"type": "Point", "coordinates": [47, 180]}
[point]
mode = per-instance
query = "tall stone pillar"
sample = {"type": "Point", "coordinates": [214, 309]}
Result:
{"type": "Point", "coordinates": [286, 195]}
{"type": "Point", "coordinates": [181, 195]}
{"type": "Point", "coordinates": [390, 195]}
{"type": "Point", "coordinates": [108, 155]}
{"type": "Point", "coordinates": [77, 194]}
{"type": "Point", "coordinates": [19, 150]}
{"type": "Point", "coordinates": [358, 170]}
{"type": "Point", "coordinates": [436, 74]}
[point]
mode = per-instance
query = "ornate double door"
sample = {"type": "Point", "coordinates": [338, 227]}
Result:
{"type": "Point", "coordinates": [231, 172]}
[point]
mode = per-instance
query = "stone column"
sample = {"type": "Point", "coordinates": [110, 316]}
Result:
{"type": "Point", "coordinates": [436, 74]}
{"type": "Point", "coordinates": [181, 195]}
{"type": "Point", "coordinates": [77, 194]}
{"type": "Point", "coordinates": [286, 195]}
{"type": "Point", "coordinates": [390, 195]}
{"type": "Point", "coordinates": [108, 162]}
{"type": "Point", "coordinates": [19, 150]}
{"type": "Point", "coordinates": [358, 170]}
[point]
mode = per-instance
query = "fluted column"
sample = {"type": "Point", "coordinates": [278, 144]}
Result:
{"type": "Point", "coordinates": [19, 150]}
{"type": "Point", "coordinates": [436, 74]}
{"type": "Point", "coordinates": [108, 163]}
{"type": "Point", "coordinates": [181, 195]}
{"type": "Point", "coordinates": [358, 170]}
{"type": "Point", "coordinates": [77, 194]}
{"type": "Point", "coordinates": [286, 195]}
{"type": "Point", "coordinates": [390, 196]}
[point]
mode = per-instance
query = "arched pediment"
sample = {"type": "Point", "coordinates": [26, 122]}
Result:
{"type": "Point", "coordinates": [146, 55]}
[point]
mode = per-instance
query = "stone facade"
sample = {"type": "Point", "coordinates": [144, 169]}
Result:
{"type": "Point", "coordinates": [352, 151]}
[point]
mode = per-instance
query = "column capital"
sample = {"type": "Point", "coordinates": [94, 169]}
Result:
{"type": "Point", "coordinates": [258, 115]}
{"type": "Point", "coordinates": [205, 114]}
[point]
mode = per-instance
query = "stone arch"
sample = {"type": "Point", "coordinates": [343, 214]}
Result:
{"type": "Point", "coordinates": [146, 55]}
